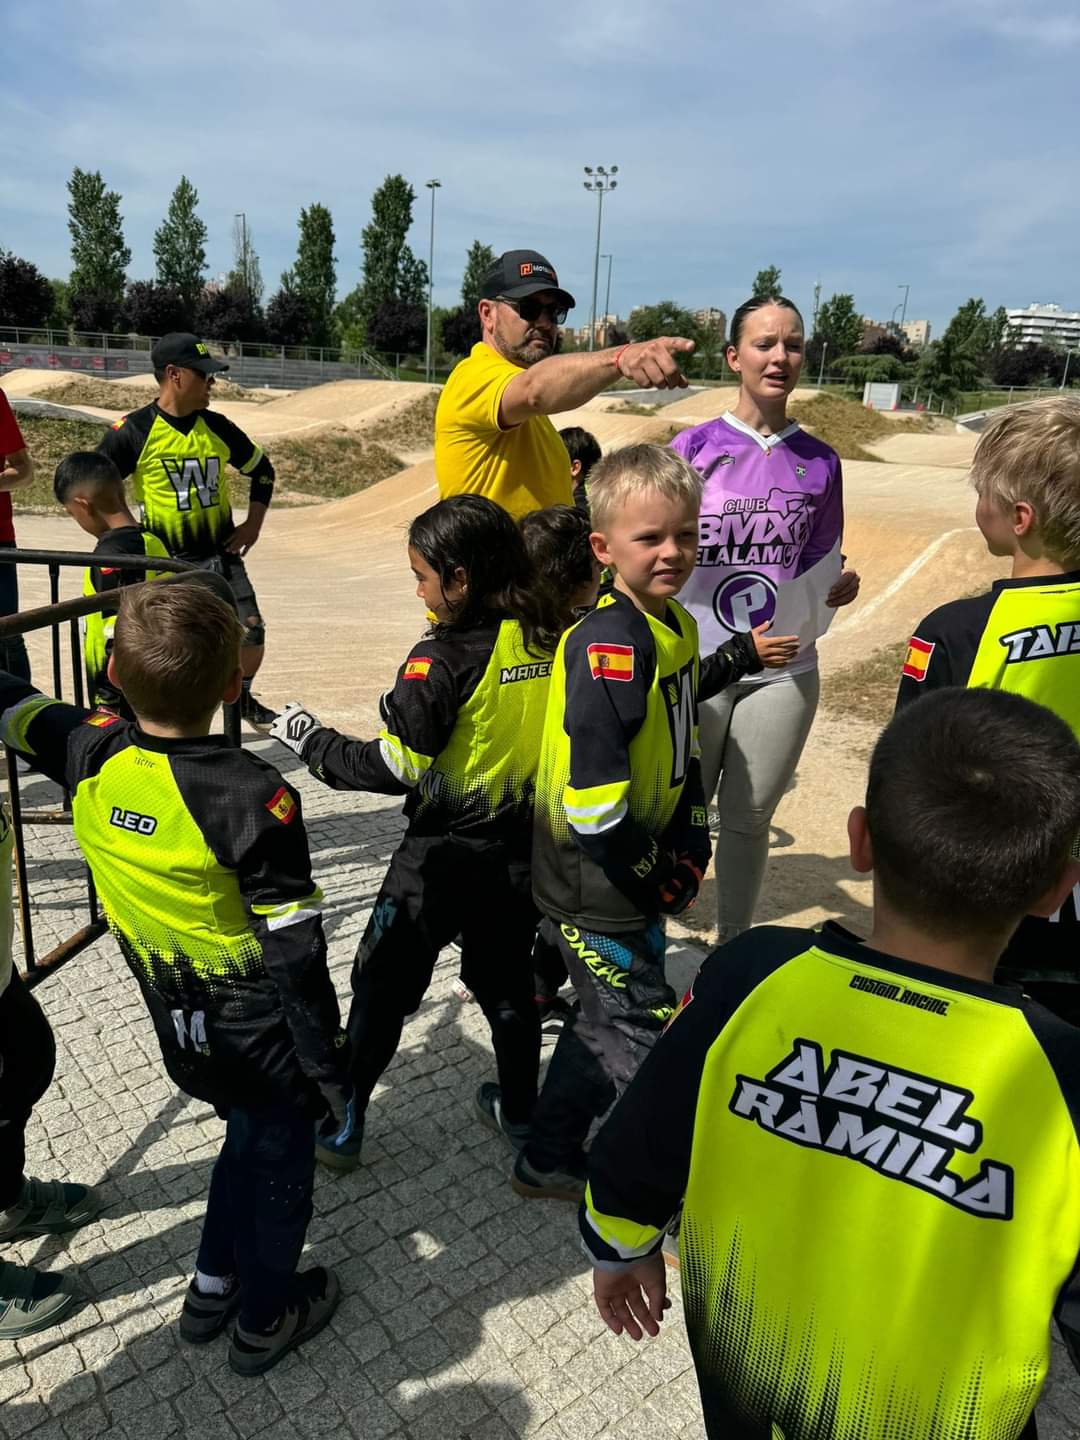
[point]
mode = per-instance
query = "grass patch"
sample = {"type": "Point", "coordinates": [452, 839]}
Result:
{"type": "Point", "coordinates": [848, 426]}
{"type": "Point", "coordinates": [332, 463]}
{"type": "Point", "coordinates": [48, 442]}
{"type": "Point", "coordinates": [867, 689]}
{"type": "Point", "coordinates": [326, 465]}
{"type": "Point", "coordinates": [632, 408]}
{"type": "Point", "coordinates": [412, 427]}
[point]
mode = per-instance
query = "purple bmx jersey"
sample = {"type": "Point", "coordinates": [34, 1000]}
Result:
{"type": "Point", "coordinates": [772, 507]}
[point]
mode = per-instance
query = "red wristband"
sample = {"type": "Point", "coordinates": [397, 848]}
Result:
{"type": "Point", "coordinates": [618, 353]}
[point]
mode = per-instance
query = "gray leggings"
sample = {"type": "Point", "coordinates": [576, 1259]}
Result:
{"type": "Point", "coordinates": [751, 740]}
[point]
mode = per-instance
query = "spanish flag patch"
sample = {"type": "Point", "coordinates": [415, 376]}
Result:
{"type": "Point", "coordinates": [611, 662]}
{"type": "Point", "coordinates": [417, 668]}
{"type": "Point", "coordinates": [282, 805]}
{"type": "Point", "coordinates": [118, 423]}
{"type": "Point", "coordinates": [918, 658]}
{"type": "Point", "coordinates": [101, 718]}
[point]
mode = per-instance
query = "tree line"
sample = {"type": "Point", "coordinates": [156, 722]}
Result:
{"type": "Point", "coordinates": [386, 310]}
{"type": "Point", "coordinates": [977, 349]}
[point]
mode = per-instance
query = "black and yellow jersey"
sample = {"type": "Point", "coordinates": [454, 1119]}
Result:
{"type": "Point", "coordinates": [201, 863]}
{"type": "Point", "coordinates": [1022, 636]}
{"type": "Point", "coordinates": [881, 1170]}
{"type": "Point", "coordinates": [618, 792]}
{"type": "Point", "coordinates": [460, 738]}
{"type": "Point", "coordinates": [178, 464]}
{"type": "Point", "coordinates": [99, 578]}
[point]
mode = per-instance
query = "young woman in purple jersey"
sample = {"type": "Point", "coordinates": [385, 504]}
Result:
{"type": "Point", "coordinates": [772, 507]}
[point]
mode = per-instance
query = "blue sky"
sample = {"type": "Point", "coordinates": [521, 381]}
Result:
{"type": "Point", "coordinates": [861, 142]}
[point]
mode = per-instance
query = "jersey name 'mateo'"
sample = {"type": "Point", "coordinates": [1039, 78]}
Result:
{"type": "Point", "coordinates": [178, 464]}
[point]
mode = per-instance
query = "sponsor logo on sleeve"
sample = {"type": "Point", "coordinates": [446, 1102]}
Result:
{"type": "Point", "coordinates": [417, 668]}
{"type": "Point", "coordinates": [611, 662]}
{"type": "Point", "coordinates": [917, 661]}
{"type": "Point", "coordinates": [282, 805]}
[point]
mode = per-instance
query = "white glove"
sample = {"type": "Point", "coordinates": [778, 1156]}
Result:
{"type": "Point", "coordinates": [294, 727]}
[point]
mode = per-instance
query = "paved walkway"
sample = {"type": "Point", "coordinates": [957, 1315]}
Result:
{"type": "Point", "coordinates": [468, 1313]}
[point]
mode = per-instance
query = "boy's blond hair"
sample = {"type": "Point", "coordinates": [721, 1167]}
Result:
{"type": "Point", "coordinates": [633, 470]}
{"type": "Point", "coordinates": [1031, 452]}
{"type": "Point", "coordinates": [176, 648]}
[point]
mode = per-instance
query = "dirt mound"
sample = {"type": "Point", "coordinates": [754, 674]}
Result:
{"type": "Point", "coordinates": [931, 449]}
{"type": "Point", "coordinates": [29, 381]}
{"type": "Point", "coordinates": [345, 401]}
{"type": "Point", "coordinates": [615, 427]}
{"type": "Point", "coordinates": [708, 404]}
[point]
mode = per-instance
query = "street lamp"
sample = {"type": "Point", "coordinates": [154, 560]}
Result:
{"type": "Point", "coordinates": [240, 215]}
{"type": "Point", "coordinates": [607, 296]}
{"type": "Point", "coordinates": [903, 316]}
{"type": "Point", "coordinates": [432, 185]}
{"type": "Point", "coordinates": [600, 180]}
{"type": "Point", "coordinates": [1065, 373]}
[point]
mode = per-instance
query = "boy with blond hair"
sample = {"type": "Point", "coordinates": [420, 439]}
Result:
{"type": "Point", "coordinates": [1023, 635]}
{"type": "Point", "coordinates": [201, 862]}
{"type": "Point", "coordinates": [621, 837]}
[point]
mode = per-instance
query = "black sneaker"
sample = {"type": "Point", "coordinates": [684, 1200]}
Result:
{"type": "Point", "coordinates": [318, 1293]}
{"type": "Point", "coordinates": [489, 1108]}
{"type": "Point", "coordinates": [205, 1316]}
{"type": "Point", "coordinates": [535, 1184]}
{"type": "Point", "coordinates": [254, 712]}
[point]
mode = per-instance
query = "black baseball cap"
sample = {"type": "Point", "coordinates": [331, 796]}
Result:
{"type": "Point", "coordinates": [186, 351]}
{"type": "Point", "coordinates": [518, 273]}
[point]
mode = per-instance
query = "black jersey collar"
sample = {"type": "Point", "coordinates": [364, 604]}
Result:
{"type": "Point", "coordinates": [182, 423]}
{"type": "Point", "coordinates": [169, 744]}
{"type": "Point", "coordinates": [838, 941]}
{"type": "Point", "coordinates": [1070, 577]}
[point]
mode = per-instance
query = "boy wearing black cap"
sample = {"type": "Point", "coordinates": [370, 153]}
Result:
{"type": "Point", "coordinates": [493, 436]}
{"type": "Point", "coordinates": [177, 449]}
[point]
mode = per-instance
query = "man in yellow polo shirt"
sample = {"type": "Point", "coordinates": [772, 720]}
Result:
{"type": "Point", "coordinates": [492, 432]}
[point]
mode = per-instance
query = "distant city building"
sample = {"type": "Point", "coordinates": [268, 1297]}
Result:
{"type": "Point", "coordinates": [712, 317]}
{"type": "Point", "coordinates": [917, 333]}
{"type": "Point", "coordinates": [604, 325]}
{"type": "Point", "coordinates": [1044, 325]}
{"type": "Point", "coordinates": [872, 332]}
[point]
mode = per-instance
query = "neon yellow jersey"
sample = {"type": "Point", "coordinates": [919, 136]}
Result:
{"type": "Point", "coordinates": [1022, 636]}
{"type": "Point", "coordinates": [178, 465]}
{"type": "Point", "coordinates": [461, 735]}
{"type": "Point", "coordinates": [524, 468]}
{"type": "Point", "coordinates": [881, 1172]}
{"type": "Point", "coordinates": [619, 774]}
{"type": "Point", "coordinates": [98, 629]}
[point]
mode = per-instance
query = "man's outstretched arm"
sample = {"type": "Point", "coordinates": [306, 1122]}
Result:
{"type": "Point", "coordinates": [562, 382]}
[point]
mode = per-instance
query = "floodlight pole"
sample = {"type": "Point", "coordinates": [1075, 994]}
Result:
{"type": "Point", "coordinates": [599, 180]}
{"type": "Point", "coordinates": [432, 185]}
{"type": "Point", "coordinates": [1065, 374]}
{"type": "Point", "coordinates": [821, 371]}
{"type": "Point", "coordinates": [607, 296]}
{"type": "Point", "coordinates": [903, 313]}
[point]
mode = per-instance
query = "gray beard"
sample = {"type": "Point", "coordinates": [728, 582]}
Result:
{"type": "Point", "coordinates": [521, 355]}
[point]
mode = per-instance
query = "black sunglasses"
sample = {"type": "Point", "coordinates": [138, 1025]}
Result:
{"type": "Point", "coordinates": [530, 309]}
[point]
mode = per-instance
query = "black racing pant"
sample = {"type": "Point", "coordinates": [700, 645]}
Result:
{"type": "Point", "coordinates": [436, 889]}
{"type": "Point", "coordinates": [27, 1061]}
{"type": "Point", "coordinates": [259, 1208]}
{"type": "Point", "coordinates": [625, 1002]}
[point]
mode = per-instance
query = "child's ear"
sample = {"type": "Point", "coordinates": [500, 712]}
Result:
{"type": "Point", "coordinates": [1054, 898]}
{"type": "Point", "coordinates": [232, 689]}
{"type": "Point", "coordinates": [600, 548]}
{"type": "Point", "coordinates": [575, 468]}
{"type": "Point", "coordinates": [110, 671]}
{"type": "Point", "coordinates": [1024, 519]}
{"type": "Point", "coordinates": [862, 855]}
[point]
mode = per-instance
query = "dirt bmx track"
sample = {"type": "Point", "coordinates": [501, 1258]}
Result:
{"type": "Point", "coordinates": [334, 583]}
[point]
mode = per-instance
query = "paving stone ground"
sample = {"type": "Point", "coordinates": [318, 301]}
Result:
{"type": "Point", "coordinates": [468, 1313]}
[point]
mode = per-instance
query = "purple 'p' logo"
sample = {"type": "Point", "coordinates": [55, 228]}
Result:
{"type": "Point", "coordinates": [742, 601]}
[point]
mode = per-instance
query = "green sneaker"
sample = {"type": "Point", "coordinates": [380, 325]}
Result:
{"type": "Point", "coordinates": [31, 1300]}
{"type": "Point", "coordinates": [48, 1207]}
